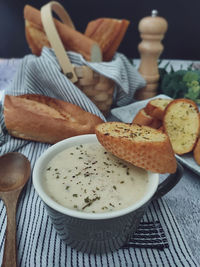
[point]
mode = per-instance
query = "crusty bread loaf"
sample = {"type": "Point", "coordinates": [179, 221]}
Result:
{"type": "Point", "coordinates": [156, 107]}
{"type": "Point", "coordinates": [142, 146]}
{"type": "Point", "coordinates": [102, 36]}
{"type": "Point", "coordinates": [196, 151]}
{"type": "Point", "coordinates": [108, 33]}
{"type": "Point", "coordinates": [46, 119]}
{"type": "Point", "coordinates": [35, 37]}
{"type": "Point", "coordinates": [142, 118]}
{"type": "Point", "coordinates": [181, 123]}
{"type": "Point", "coordinates": [72, 39]}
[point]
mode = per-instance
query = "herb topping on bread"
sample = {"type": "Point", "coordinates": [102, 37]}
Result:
{"type": "Point", "coordinates": [142, 146]}
{"type": "Point", "coordinates": [181, 123]}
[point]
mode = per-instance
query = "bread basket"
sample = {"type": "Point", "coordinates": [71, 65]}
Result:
{"type": "Point", "coordinates": [97, 87]}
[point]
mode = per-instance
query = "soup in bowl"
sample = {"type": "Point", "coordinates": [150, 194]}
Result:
{"type": "Point", "coordinates": [94, 199]}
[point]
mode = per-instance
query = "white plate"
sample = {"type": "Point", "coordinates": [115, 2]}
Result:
{"type": "Point", "coordinates": [188, 161]}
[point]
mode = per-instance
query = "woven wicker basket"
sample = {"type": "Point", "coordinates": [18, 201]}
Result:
{"type": "Point", "coordinates": [97, 87]}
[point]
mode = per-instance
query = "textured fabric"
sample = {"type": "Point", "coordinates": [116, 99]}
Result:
{"type": "Point", "coordinates": [43, 75]}
{"type": "Point", "coordinates": [39, 245]}
{"type": "Point", "coordinates": [37, 241]}
{"type": "Point", "coordinates": [148, 235]}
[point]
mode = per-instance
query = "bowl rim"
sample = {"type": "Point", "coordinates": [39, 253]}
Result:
{"type": "Point", "coordinates": [47, 155]}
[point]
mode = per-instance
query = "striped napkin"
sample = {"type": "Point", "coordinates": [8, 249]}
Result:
{"type": "Point", "coordinates": [39, 245]}
{"type": "Point", "coordinates": [158, 241]}
{"type": "Point", "coordinates": [148, 235]}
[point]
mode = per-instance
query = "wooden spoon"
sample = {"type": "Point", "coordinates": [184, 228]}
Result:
{"type": "Point", "coordinates": [14, 173]}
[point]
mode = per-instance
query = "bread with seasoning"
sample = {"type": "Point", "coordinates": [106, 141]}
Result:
{"type": "Point", "coordinates": [156, 107]}
{"type": "Point", "coordinates": [142, 118]}
{"type": "Point", "coordinates": [45, 119]}
{"type": "Point", "coordinates": [142, 146]}
{"type": "Point", "coordinates": [181, 123]}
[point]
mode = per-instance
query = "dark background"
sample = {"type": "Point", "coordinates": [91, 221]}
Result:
{"type": "Point", "coordinates": [182, 40]}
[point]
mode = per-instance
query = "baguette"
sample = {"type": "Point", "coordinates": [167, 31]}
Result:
{"type": "Point", "coordinates": [156, 107]}
{"type": "Point", "coordinates": [142, 118]}
{"type": "Point", "coordinates": [45, 119]}
{"type": "Point", "coordinates": [108, 33]}
{"type": "Point", "coordinates": [72, 39]}
{"type": "Point", "coordinates": [142, 146]}
{"type": "Point", "coordinates": [36, 37]}
{"type": "Point", "coordinates": [181, 123]}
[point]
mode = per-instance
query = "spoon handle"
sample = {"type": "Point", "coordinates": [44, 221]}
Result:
{"type": "Point", "coordinates": [10, 250]}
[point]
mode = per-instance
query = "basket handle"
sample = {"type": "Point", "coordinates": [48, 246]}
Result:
{"type": "Point", "coordinates": [54, 38]}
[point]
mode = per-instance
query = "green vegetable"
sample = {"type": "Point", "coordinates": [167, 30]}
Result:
{"type": "Point", "coordinates": [173, 84]}
{"type": "Point", "coordinates": [181, 84]}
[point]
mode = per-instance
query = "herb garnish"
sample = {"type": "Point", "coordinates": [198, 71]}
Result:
{"type": "Point", "coordinates": [89, 201]}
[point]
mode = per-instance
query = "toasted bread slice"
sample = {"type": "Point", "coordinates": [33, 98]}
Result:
{"type": "Point", "coordinates": [142, 146]}
{"type": "Point", "coordinates": [181, 123]}
{"type": "Point", "coordinates": [196, 152]}
{"type": "Point", "coordinates": [156, 107]}
{"type": "Point", "coordinates": [142, 118]}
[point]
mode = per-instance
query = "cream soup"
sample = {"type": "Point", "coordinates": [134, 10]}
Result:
{"type": "Point", "coordinates": [88, 178]}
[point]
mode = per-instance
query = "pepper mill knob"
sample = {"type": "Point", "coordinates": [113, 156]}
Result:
{"type": "Point", "coordinates": [152, 30]}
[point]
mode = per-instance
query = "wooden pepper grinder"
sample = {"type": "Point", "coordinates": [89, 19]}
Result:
{"type": "Point", "coordinates": [152, 30]}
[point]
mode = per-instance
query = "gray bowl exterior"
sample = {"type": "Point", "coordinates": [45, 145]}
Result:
{"type": "Point", "coordinates": [106, 235]}
{"type": "Point", "coordinates": [96, 236]}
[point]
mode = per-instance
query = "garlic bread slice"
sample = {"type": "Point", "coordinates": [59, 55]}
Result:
{"type": "Point", "coordinates": [142, 146]}
{"type": "Point", "coordinates": [181, 123]}
{"type": "Point", "coordinates": [142, 118]}
{"type": "Point", "coordinates": [156, 107]}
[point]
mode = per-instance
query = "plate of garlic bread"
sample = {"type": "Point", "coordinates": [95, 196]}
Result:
{"type": "Point", "coordinates": [178, 118]}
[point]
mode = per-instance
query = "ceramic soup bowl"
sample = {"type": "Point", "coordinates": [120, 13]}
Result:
{"type": "Point", "coordinates": [97, 232]}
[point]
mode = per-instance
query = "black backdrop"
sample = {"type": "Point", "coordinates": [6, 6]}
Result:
{"type": "Point", "coordinates": [182, 40]}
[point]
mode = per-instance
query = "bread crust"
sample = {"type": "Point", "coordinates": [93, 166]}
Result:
{"type": "Point", "coordinates": [72, 40]}
{"type": "Point", "coordinates": [36, 38]}
{"type": "Point", "coordinates": [196, 151]}
{"type": "Point", "coordinates": [108, 33]}
{"type": "Point", "coordinates": [142, 146]}
{"type": "Point", "coordinates": [46, 119]}
{"type": "Point", "coordinates": [142, 118]}
{"type": "Point", "coordinates": [182, 124]}
{"type": "Point", "coordinates": [156, 107]}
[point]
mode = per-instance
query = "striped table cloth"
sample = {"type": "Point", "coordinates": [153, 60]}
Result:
{"type": "Point", "coordinates": [37, 241]}
{"type": "Point", "coordinates": [39, 245]}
